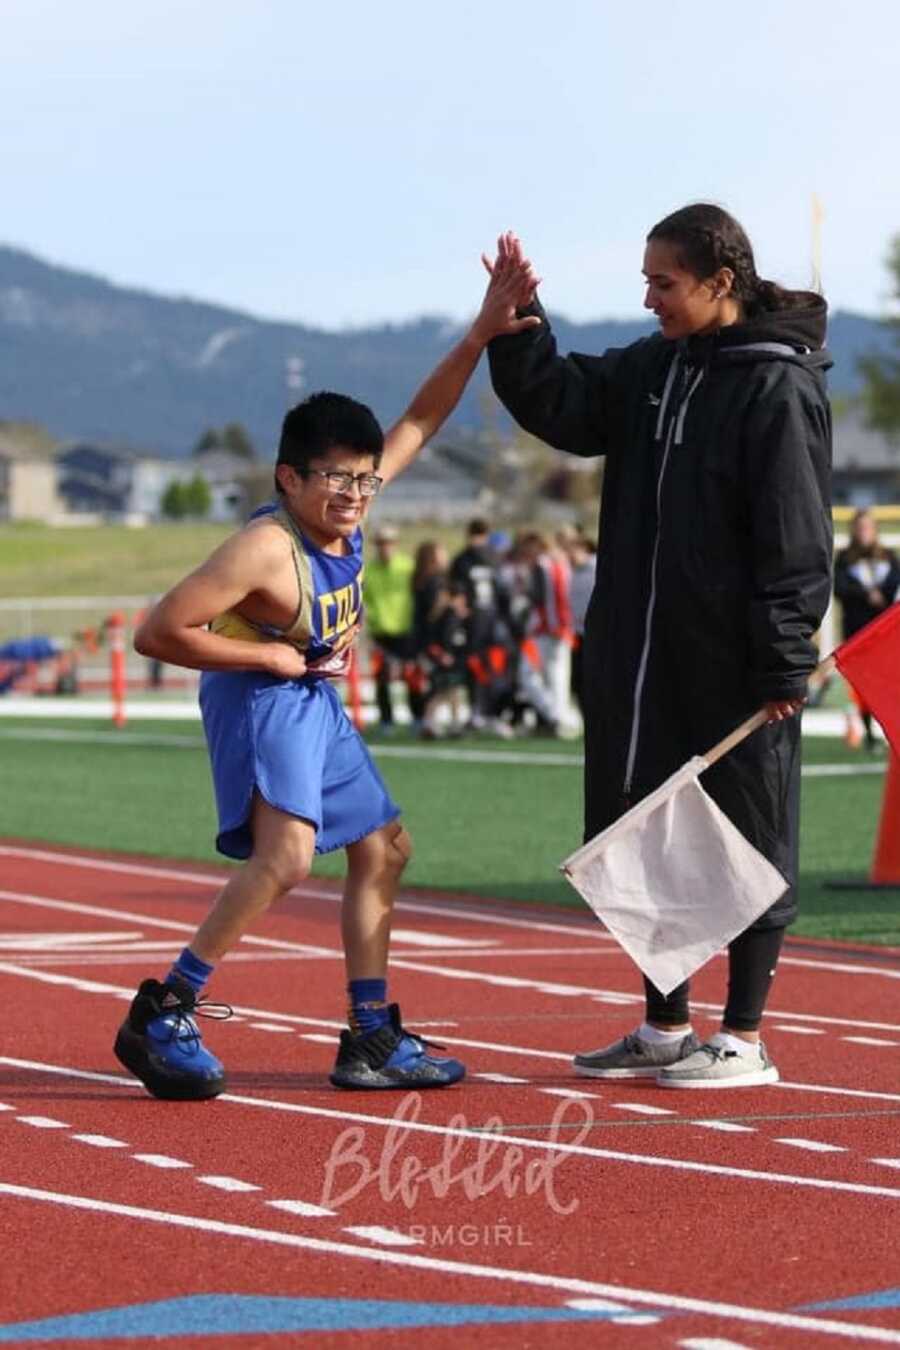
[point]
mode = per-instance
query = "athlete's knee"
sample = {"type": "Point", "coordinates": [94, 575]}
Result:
{"type": "Point", "coordinates": [399, 848]}
{"type": "Point", "coordinates": [284, 869]}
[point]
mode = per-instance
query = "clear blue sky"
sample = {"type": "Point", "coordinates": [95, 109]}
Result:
{"type": "Point", "coordinates": [344, 163]}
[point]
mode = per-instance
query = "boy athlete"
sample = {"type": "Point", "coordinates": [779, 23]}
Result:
{"type": "Point", "coordinates": [269, 618]}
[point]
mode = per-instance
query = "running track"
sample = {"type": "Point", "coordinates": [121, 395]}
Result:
{"type": "Point", "coordinates": [499, 1212]}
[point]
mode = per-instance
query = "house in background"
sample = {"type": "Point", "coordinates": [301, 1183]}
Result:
{"type": "Point", "coordinates": [866, 464]}
{"type": "Point", "coordinates": [28, 488]}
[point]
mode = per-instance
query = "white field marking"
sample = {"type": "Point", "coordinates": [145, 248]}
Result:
{"type": "Point", "coordinates": [799, 1031]}
{"type": "Point", "coordinates": [316, 1037]}
{"type": "Point", "coordinates": [868, 1040]}
{"type": "Point", "coordinates": [388, 1237]}
{"type": "Point", "coordinates": [44, 1122]}
{"type": "Point", "coordinates": [271, 1026]}
{"type": "Point", "coordinates": [67, 939]}
{"type": "Point", "coordinates": [135, 956]}
{"type": "Point", "coordinates": [725, 1126]}
{"type": "Point", "coordinates": [417, 1261]}
{"type": "Point", "coordinates": [829, 1090]}
{"type": "Point", "coordinates": [498, 1078]}
{"type": "Point", "coordinates": [74, 907]}
{"type": "Point", "coordinates": [621, 1314]}
{"type": "Point", "coordinates": [4, 1107]}
{"type": "Point", "coordinates": [813, 1145]}
{"type": "Point", "coordinates": [886, 1162]}
{"type": "Point", "coordinates": [160, 1160]}
{"type": "Point", "coordinates": [228, 1184]}
{"type": "Point", "coordinates": [99, 1141]}
{"type": "Point", "coordinates": [584, 991]}
{"type": "Point", "coordinates": [417, 939]}
{"type": "Point", "coordinates": [711, 1343]}
{"type": "Point", "coordinates": [303, 1208]}
{"type": "Point", "coordinates": [569, 1092]}
{"type": "Point", "coordinates": [839, 967]}
{"type": "Point", "coordinates": [642, 1110]}
{"type": "Point", "coordinates": [421, 1127]}
{"type": "Point", "coordinates": [589, 929]}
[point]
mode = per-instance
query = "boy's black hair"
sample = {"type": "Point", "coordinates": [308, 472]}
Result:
{"type": "Point", "coordinates": [323, 421]}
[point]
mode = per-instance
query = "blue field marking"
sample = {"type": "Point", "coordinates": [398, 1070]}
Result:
{"type": "Point", "coordinates": [881, 1298]}
{"type": "Point", "coordinates": [240, 1314]}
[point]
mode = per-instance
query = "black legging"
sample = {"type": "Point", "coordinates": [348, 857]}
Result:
{"type": "Point", "coordinates": [752, 958]}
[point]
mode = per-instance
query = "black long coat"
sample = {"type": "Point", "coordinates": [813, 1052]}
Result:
{"type": "Point", "coordinates": [715, 548]}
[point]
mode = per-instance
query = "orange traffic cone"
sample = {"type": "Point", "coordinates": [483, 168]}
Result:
{"type": "Point", "coordinates": [885, 870]}
{"type": "Point", "coordinates": [886, 862]}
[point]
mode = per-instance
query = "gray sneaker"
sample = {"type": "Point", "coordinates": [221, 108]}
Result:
{"type": "Point", "coordinates": [633, 1058]}
{"type": "Point", "coordinates": [713, 1066]}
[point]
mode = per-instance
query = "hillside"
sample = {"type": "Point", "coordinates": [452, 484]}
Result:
{"type": "Point", "coordinates": [88, 359]}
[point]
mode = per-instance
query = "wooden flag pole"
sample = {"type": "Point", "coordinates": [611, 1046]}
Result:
{"type": "Point", "coordinates": [759, 719]}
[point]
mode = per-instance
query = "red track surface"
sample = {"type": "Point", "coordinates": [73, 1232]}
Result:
{"type": "Point", "coordinates": [711, 1214]}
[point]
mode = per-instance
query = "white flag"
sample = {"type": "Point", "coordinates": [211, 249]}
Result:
{"type": "Point", "coordinates": [674, 880]}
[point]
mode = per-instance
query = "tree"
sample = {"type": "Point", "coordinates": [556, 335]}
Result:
{"type": "Point", "coordinates": [197, 497]}
{"type": "Point", "coordinates": [172, 503]}
{"type": "Point", "coordinates": [235, 438]}
{"type": "Point", "coordinates": [881, 394]}
{"type": "Point", "coordinates": [207, 441]}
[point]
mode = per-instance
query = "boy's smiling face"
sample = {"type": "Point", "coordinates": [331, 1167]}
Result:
{"type": "Point", "coordinates": [326, 513]}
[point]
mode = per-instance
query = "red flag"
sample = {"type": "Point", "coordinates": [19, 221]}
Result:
{"type": "Point", "coordinates": [870, 660]}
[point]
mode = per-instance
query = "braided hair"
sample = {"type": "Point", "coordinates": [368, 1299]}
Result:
{"type": "Point", "coordinates": [707, 238]}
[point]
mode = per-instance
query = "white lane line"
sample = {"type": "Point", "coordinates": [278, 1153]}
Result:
{"type": "Point", "coordinates": [160, 1160]}
{"type": "Point", "coordinates": [4, 1107]}
{"type": "Point", "coordinates": [587, 930]}
{"type": "Point", "coordinates": [868, 1040]}
{"type": "Point", "coordinates": [498, 1078]}
{"type": "Point", "coordinates": [99, 911]}
{"type": "Point", "coordinates": [572, 1093]}
{"type": "Point", "coordinates": [813, 1145]}
{"type": "Point", "coordinates": [316, 1037]}
{"type": "Point", "coordinates": [886, 1162]}
{"type": "Point", "coordinates": [582, 1150]}
{"type": "Point", "coordinates": [415, 938]}
{"type": "Point", "coordinates": [388, 1237]}
{"type": "Point", "coordinates": [44, 1122]}
{"type": "Point", "coordinates": [725, 1126]}
{"type": "Point", "coordinates": [417, 1261]}
{"type": "Point", "coordinates": [303, 1208]}
{"type": "Point", "coordinates": [621, 1314]}
{"type": "Point", "coordinates": [711, 1343]}
{"type": "Point", "coordinates": [228, 1184]}
{"type": "Point", "coordinates": [100, 1141]}
{"type": "Point", "coordinates": [799, 1031]}
{"type": "Point", "coordinates": [643, 1110]}
{"type": "Point", "coordinates": [270, 1026]}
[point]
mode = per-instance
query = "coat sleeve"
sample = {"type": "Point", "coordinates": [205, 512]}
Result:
{"type": "Point", "coordinates": [788, 451]}
{"type": "Point", "coordinates": [563, 400]}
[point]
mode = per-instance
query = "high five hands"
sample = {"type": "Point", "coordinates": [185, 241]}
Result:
{"type": "Point", "coordinates": [512, 285]}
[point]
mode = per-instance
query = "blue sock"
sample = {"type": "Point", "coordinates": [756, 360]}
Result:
{"type": "Point", "coordinates": [368, 1005]}
{"type": "Point", "coordinates": [192, 969]}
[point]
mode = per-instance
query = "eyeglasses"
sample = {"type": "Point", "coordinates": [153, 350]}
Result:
{"type": "Point", "coordinates": [339, 480]}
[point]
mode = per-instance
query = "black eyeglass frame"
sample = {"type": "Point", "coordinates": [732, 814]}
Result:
{"type": "Point", "coordinates": [341, 480]}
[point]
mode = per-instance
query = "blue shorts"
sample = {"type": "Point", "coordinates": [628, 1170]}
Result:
{"type": "Point", "coordinates": [291, 741]}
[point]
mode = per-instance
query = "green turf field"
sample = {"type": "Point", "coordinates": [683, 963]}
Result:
{"type": "Point", "coordinates": [493, 829]}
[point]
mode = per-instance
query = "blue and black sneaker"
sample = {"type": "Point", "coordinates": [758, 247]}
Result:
{"type": "Point", "coordinates": [159, 1042]}
{"type": "Point", "coordinates": [392, 1058]}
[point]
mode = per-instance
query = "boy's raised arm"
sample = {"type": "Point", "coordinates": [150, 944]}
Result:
{"type": "Point", "coordinates": [511, 285]}
{"type": "Point", "coordinates": [175, 628]}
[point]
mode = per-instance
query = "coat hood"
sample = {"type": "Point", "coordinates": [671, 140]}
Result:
{"type": "Point", "coordinates": [795, 333]}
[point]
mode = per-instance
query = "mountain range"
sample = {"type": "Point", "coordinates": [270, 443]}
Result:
{"type": "Point", "coordinates": [90, 360]}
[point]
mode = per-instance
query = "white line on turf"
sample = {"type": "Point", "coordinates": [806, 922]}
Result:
{"type": "Point", "coordinates": [868, 1040]}
{"type": "Point", "coordinates": [414, 1260]}
{"type": "Point", "coordinates": [228, 1184]}
{"type": "Point", "coordinates": [642, 1110]}
{"type": "Point", "coordinates": [622, 1316]}
{"type": "Point", "coordinates": [886, 1162]}
{"type": "Point", "coordinates": [799, 1031]}
{"type": "Point", "coordinates": [160, 1160]}
{"type": "Point", "coordinates": [99, 1140]}
{"type": "Point", "coordinates": [43, 1122]}
{"type": "Point", "coordinates": [724, 1126]}
{"type": "Point", "coordinates": [302, 1208]}
{"type": "Point", "coordinates": [498, 1078]}
{"type": "Point", "coordinates": [813, 1145]}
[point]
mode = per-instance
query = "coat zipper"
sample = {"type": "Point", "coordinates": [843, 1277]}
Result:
{"type": "Point", "coordinates": [673, 435]}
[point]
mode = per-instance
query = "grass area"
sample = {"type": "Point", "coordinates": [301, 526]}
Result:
{"type": "Point", "coordinates": [488, 829]}
{"type": "Point", "coordinates": [42, 561]}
